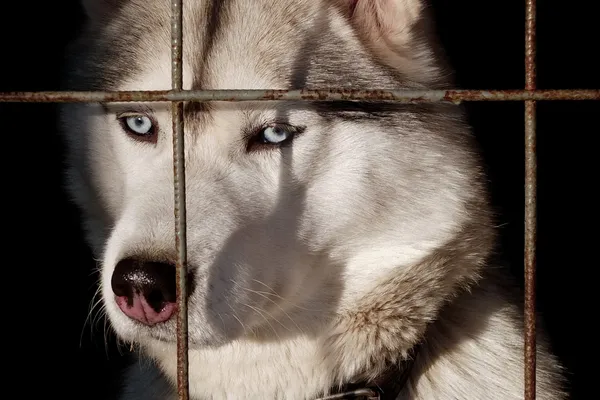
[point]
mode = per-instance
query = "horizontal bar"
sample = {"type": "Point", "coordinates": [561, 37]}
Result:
{"type": "Point", "coordinates": [402, 96]}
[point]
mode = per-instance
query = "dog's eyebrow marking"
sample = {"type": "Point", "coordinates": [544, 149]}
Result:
{"type": "Point", "coordinates": [196, 116]}
{"type": "Point", "coordinates": [214, 16]}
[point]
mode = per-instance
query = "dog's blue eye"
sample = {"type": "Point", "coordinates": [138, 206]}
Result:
{"type": "Point", "coordinates": [275, 135]}
{"type": "Point", "coordinates": [139, 125]}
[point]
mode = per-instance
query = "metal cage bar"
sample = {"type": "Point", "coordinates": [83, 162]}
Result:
{"type": "Point", "coordinates": [530, 204]}
{"type": "Point", "coordinates": [180, 203]}
{"type": "Point", "coordinates": [177, 96]}
{"type": "Point", "coordinates": [402, 96]}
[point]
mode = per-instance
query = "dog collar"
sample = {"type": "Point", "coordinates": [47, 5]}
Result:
{"type": "Point", "coordinates": [386, 386]}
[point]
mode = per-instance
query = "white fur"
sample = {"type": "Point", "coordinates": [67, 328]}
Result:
{"type": "Point", "coordinates": [317, 262]}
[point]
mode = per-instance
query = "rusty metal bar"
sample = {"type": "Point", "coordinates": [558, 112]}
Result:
{"type": "Point", "coordinates": [402, 96]}
{"type": "Point", "coordinates": [530, 203]}
{"type": "Point", "coordinates": [180, 203]}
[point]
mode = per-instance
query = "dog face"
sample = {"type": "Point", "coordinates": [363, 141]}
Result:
{"type": "Point", "coordinates": [294, 209]}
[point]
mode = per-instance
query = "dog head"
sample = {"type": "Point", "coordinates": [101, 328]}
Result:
{"type": "Point", "coordinates": [295, 210]}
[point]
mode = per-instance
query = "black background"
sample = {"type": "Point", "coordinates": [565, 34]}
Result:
{"type": "Point", "coordinates": [47, 269]}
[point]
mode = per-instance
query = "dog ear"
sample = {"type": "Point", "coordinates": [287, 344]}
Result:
{"type": "Point", "coordinates": [99, 9]}
{"type": "Point", "coordinates": [397, 33]}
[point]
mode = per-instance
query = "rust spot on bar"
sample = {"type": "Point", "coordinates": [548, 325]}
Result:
{"type": "Point", "coordinates": [269, 95]}
{"type": "Point", "coordinates": [530, 204]}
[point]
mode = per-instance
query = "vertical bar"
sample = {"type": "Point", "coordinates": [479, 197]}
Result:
{"type": "Point", "coordinates": [180, 203]}
{"type": "Point", "coordinates": [530, 202]}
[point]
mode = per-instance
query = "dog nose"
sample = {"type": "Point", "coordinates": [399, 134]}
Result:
{"type": "Point", "coordinates": [145, 290]}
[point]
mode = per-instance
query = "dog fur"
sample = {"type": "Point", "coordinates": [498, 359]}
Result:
{"type": "Point", "coordinates": [314, 263]}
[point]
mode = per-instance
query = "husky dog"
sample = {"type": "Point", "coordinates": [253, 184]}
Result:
{"type": "Point", "coordinates": [331, 246]}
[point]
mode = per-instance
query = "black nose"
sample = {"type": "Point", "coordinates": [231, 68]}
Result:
{"type": "Point", "coordinates": [154, 281]}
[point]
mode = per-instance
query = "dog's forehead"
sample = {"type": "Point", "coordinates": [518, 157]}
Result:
{"type": "Point", "coordinates": [250, 45]}
{"type": "Point", "coordinates": [280, 44]}
{"type": "Point", "coordinates": [230, 44]}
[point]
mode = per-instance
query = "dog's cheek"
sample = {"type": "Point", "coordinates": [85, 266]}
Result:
{"type": "Point", "coordinates": [336, 193]}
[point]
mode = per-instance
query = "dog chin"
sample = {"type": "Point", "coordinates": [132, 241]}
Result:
{"type": "Point", "coordinates": [170, 339]}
